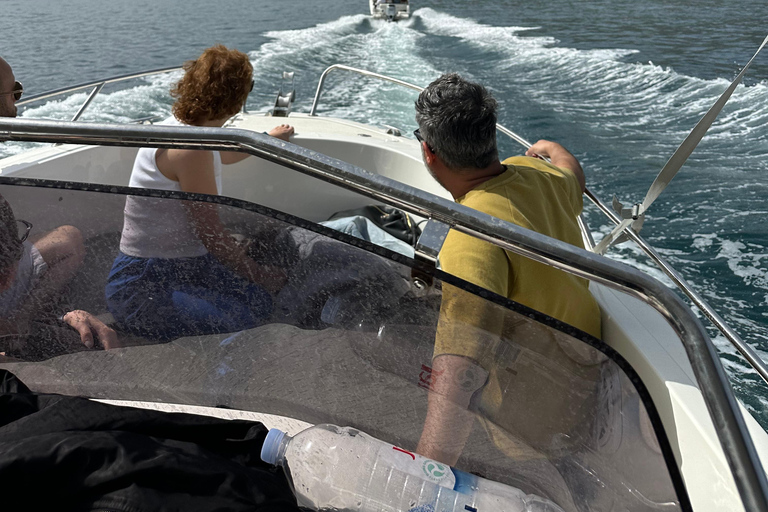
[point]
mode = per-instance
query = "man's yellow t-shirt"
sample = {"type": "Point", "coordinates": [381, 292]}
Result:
{"type": "Point", "coordinates": [540, 382]}
{"type": "Point", "coordinates": [543, 198]}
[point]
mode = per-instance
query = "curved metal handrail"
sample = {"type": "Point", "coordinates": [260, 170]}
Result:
{"type": "Point", "coordinates": [713, 383]}
{"type": "Point", "coordinates": [364, 72]}
{"type": "Point", "coordinates": [97, 86]}
{"type": "Point", "coordinates": [744, 349]}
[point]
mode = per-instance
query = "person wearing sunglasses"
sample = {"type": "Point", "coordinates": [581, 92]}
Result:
{"type": "Point", "coordinates": [33, 271]}
{"type": "Point", "coordinates": [10, 90]}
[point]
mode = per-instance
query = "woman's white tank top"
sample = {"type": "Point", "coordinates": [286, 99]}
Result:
{"type": "Point", "coordinates": [159, 228]}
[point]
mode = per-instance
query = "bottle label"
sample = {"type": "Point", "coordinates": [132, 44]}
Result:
{"type": "Point", "coordinates": [418, 466]}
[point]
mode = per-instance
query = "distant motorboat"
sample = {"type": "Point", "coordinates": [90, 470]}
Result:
{"type": "Point", "coordinates": [390, 10]}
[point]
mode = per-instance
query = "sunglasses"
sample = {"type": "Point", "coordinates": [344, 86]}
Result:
{"type": "Point", "coordinates": [17, 91]}
{"type": "Point", "coordinates": [417, 134]}
{"type": "Point", "coordinates": [24, 229]}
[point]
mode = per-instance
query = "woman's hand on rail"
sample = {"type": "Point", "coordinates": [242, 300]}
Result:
{"type": "Point", "coordinates": [282, 132]}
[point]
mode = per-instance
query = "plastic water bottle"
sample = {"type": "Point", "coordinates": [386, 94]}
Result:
{"type": "Point", "coordinates": [342, 468]}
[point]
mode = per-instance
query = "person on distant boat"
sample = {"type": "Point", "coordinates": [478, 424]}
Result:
{"type": "Point", "coordinates": [457, 132]}
{"type": "Point", "coordinates": [32, 273]}
{"type": "Point", "coordinates": [179, 271]}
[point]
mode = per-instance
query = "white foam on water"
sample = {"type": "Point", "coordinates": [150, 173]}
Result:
{"type": "Point", "coordinates": [318, 36]}
{"type": "Point", "coordinates": [597, 86]}
{"type": "Point", "coordinates": [357, 41]}
{"type": "Point", "coordinates": [150, 99]}
{"type": "Point", "coordinates": [702, 241]}
{"type": "Point", "coordinates": [485, 36]}
{"type": "Point", "coordinates": [732, 367]}
{"type": "Point", "coordinates": [745, 263]}
{"type": "Point", "coordinates": [601, 87]}
{"type": "Point", "coordinates": [626, 99]}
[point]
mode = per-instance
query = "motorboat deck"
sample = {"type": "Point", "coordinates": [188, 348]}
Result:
{"type": "Point", "coordinates": [371, 374]}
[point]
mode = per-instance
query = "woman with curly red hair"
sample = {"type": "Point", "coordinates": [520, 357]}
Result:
{"type": "Point", "coordinates": [179, 272]}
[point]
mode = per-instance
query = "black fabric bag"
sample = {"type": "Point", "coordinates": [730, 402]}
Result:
{"type": "Point", "coordinates": [74, 454]}
{"type": "Point", "coordinates": [395, 222]}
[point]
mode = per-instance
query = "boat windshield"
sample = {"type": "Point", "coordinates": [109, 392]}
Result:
{"type": "Point", "coordinates": [343, 332]}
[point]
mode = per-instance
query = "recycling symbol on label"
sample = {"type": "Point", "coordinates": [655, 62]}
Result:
{"type": "Point", "coordinates": [434, 470]}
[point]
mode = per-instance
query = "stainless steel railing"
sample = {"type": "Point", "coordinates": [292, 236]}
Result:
{"type": "Point", "coordinates": [363, 72]}
{"type": "Point", "coordinates": [95, 87]}
{"type": "Point", "coordinates": [744, 349]}
{"type": "Point", "coordinates": [722, 405]}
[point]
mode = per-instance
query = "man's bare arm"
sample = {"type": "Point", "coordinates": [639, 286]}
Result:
{"type": "Point", "coordinates": [449, 422]}
{"type": "Point", "coordinates": [560, 157]}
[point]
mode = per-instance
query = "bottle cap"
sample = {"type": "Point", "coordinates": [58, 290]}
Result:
{"type": "Point", "coordinates": [466, 483]}
{"type": "Point", "coordinates": [271, 445]}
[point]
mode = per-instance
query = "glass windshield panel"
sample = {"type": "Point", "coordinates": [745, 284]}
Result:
{"type": "Point", "coordinates": [323, 328]}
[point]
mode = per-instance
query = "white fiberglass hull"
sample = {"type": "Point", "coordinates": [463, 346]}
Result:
{"type": "Point", "coordinates": [389, 11]}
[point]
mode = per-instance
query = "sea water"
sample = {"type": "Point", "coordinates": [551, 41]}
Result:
{"type": "Point", "coordinates": [618, 82]}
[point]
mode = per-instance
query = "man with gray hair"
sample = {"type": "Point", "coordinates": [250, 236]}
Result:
{"type": "Point", "coordinates": [457, 132]}
{"type": "Point", "coordinates": [32, 274]}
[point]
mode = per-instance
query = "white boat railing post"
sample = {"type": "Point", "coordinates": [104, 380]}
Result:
{"type": "Point", "coordinates": [363, 72]}
{"type": "Point", "coordinates": [96, 90]}
{"type": "Point", "coordinates": [98, 85]}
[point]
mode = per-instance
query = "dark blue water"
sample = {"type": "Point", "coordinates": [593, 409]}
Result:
{"type": "Point", "coordinates": [618, 82]}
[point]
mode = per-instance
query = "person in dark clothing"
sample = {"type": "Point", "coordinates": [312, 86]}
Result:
{"type": "Point", "coordinates": [93, 456]}
{"type": "Point", "coordinates": [33, 274]}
